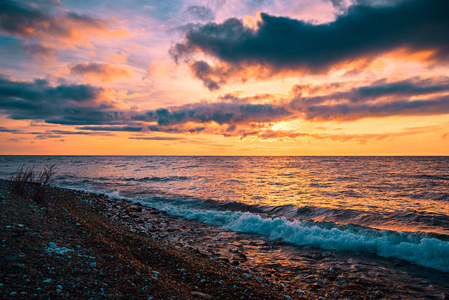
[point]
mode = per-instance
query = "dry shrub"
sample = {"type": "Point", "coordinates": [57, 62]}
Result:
{"type": "Point", "coordinates": [25, 181]}
{"type": "Point", "coordinates": [42, 180]}
{"type": "Point", "coordinates": [22, 178]}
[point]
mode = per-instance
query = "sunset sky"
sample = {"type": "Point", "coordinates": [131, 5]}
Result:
{"type": "Point", "coordinates": [224, 77]}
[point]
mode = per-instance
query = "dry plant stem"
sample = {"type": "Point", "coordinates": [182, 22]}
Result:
{"type": "Point", "coordinates": [21, 178]}
{"type": "Point", "coordinates": [38, 187]}
{"type": "Point", "coordinates": [43, 180]}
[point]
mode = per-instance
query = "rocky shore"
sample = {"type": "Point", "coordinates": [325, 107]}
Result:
{"type": "Point", "coordinates": [80, 245]}
{"type": "Point", "coordinates": [66, 247]}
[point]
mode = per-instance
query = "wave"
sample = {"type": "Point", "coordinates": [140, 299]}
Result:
{"type": "Point", "coordinates": [418, 248]}
{"type": "Point", "coordinates": [432, 177]}
{"type": "Point", "coordinates": [415, 221]}
{"type": "Point", "coordinates": [369, 218]}
{"type": "Point", "coordinates": [157, 179]}
{"type": "Point", "coordinates": [102, 179]}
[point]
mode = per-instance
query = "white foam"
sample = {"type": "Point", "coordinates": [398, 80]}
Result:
{"type": "Point", "coordinates": [412, 247]}
{"type": "Point", "coordinates": [115, 195]}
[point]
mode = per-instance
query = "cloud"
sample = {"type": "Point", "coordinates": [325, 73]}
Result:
{"type": "Point", "coordinates": [408, 97]}
{"type": "Point", "coordinates": [362, 138]}
{"type": "Point", "coordinates": [13, 131]}
{"type": "Point", "coordinates": [201, 13]}
{"type": "Point", "coordinates": [68, 132]}
{"type": "Point", "coordinates": [214, 76]}
{"type": "Point", "coordinates": [204, 72]}
{"type": "Point", "coordinates": [61, 104]}
{"type": "Point", "coordinates": [283, 44]}
{"type": "Point", "coordinates": [157, 138]}
{"type": "Point", "coordinates": [230, 115]}
{"type": "Point", "coordinates": [23, 20]}
{"type": "Point", "coordinates": [13, 140]}
{"type": "Point", "coordinates": [36, 49]}
{"type": "Point", "coordinates": [57, 134]}
{"type": "Point", "coordinates": [379, 90]}
{"type": "Point", "coordinates": [101, 72]}
{"type": "Point", "coordinates": [51, 134]}
{"type": "Point", "coordinates": [337, 3]}
{"type": "Point", "coordinates": [348, 112]}
{"type": "Point", "coordinates": [226, 118]}
{"type": "Point", "coordinates": [111, 128]}
{"type": "Point", "coordinates": [53, 30]}
{"type": "Point", "coordinates": [218, 112]}
{"type": "Point", "coordinates": [88, 105]}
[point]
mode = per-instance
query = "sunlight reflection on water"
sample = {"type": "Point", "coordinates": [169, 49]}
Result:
{"type": "Point", "coordinates": [400, 193]}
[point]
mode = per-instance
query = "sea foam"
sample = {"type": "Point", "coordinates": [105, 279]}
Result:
{"type": "Point", "coordinates": [417, 248]}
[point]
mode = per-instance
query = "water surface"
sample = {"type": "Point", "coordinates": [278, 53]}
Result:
{"type": "Point", "coordinates": [392, 207]}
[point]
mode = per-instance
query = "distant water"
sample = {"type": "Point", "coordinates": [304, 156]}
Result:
{"type": "Point", "coordinates": [388, 206]}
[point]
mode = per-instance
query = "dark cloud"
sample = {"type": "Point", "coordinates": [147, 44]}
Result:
{"type": "Point", "coordinates": [35, 49]}
{"type": "Point", "coordinates": [85, 19]}
{"type": "Point", "coordinates": [337, 3]}
{"type": "Point", "coordinates": [237, 99]}
{"type": "Point", "coordinates": [17, 18]}
{"type": "Point", "coordinates": [48, 136]}
{"type": "Point", "coordinates": [84, 105]}
{"type": "Point", "coordinates": [281, 43]}
{"type": "Point", "coordinates": [205, 73]}
{"type": "Point", "coordinates": [51, 134]}
{"type": "Point", "coordinates": [63, 104]}
{"type": "Point", "coordinates": [380, 99]}
{"type": "Point", "coordinates": [201, 13]}
{"type": "Point", "coordinates": [230, 115]}
{"type": "Point", "coordinates": [40, 91]}
{"type": "Point", "coordinates": [91, 116]}
{"type": "Point", "coordinates": [30, 21]}
{"type": "Point", "coordinates": [177, 129]}
{"type": "Point", "coordinates": [379, 90]}
{"type": "Point", "coordinates": [220, 113]}
{"type": "Point", "coordinates": [111, 128]}
{"type": "Point", "coordinates": [14, 131]}
{"type": "Point", "coordinates": [346, 112]}
{"type": "Point", "coordinates": [57, 134]}
{"type": "Point", "coordinates": [233, 118]}
{"type": "Point", "coordinates": [68, 132]}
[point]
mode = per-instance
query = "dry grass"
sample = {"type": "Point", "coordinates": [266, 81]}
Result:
{"type": "Point", "coordinates": [21, 178]}
{"type": "Point", "coordinates": [27, 183]}
{"type": "Point", "coordinates": [43, 179]}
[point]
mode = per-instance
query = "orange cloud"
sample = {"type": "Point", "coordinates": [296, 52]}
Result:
{"type": "Point", "coordinates": [358, 138]}
{"type": "Point", "coordinates": [100, 72]}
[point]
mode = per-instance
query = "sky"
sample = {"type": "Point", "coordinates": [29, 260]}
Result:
{"type": "Point", "coordinates": [224, 77]}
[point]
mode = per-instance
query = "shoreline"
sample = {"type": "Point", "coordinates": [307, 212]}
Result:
{"type": "Point", "coordinates": [66, 248]}
{"type": "Point", "coordinates": [81, 245]}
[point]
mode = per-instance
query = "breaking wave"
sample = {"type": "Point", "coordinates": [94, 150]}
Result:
{"type": "Point", "coordinates": [418, 248]}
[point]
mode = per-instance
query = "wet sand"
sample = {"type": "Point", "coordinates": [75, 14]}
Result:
{"type": "Point", "coordinates": [75, 244]}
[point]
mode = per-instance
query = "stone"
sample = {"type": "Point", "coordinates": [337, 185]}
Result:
{"type": "Point", "coordinates": [201, 295]}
